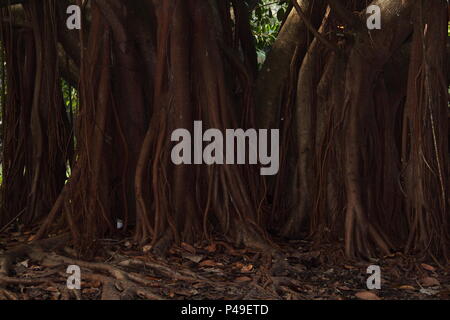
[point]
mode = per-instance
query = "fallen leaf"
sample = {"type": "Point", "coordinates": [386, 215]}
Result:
{"type": "Point", "coordinates": [429, 292]}
{"type": "Point", "coordinates": [367, 295]}
{"type": "Point", "coordinates": [119, 286]}
{"type": "Point", "coordinates": [56, 296]}
{"type": "Point", "coordinates": [211, 248]}
{"type": "Point", "coordinates": [193, 257]}
{"type": "Point", "coordinates": [186, 293]}
{"type": "Point", "coordinates": [247, 269]}
{"type": "Point", "coordinates": [25, 263]}
{"type": "Point", "coordinates": [214, 270]}
{"type": "Point", "coordinates": [349, 267]}
{"type": "Point", "coordinates": [406, 287]}
{"type": "Point", "coordinates": [243, 279]}
{"type": "Point", "coordinates": [428, 267]}
{"type": "Point", "coordinates": [147, 248]}
{"type": "Point", "coordinates": [128, 244]}
{"type": "Point", "coordinates": [343, 288]}
{"type": "Point", "coordinates": [209, 263]}
{"type": "Point", "coordinates": [430, 282]}
{"type": "Point", "coordinates": [188, 247]}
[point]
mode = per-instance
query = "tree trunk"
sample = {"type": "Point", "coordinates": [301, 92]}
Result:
{"type": "Point", "coordinates": [362, 115]}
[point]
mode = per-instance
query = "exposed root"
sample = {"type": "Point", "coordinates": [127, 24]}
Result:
{"type": "Point", "coordinates": [114, 289]}
{"type": "Point", "coordinates": [34, 250]}
{"type": "Point", "coordinates": [163, 245]}
{"type": "Point", "coordinates": [7, 295]}
{"type": "Point", "coordinates": [28, 282]}
{"type": "Point", "coordinates": [184, 275]}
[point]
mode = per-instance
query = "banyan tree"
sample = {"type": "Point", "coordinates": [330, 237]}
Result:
{"type": "Point", "coordinates": [362, 114]}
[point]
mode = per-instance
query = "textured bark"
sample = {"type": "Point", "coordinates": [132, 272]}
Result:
{"type": "Point", "coordinates": [354, 136]}
{"type": "Point", "coordinates": [425, 153]}
{"type": "Point", "coordinates": [139, 81]}
{"type": "Point", "coordinates": [34, 94]}
{"type": "Point", "coordinates": [275, 72]}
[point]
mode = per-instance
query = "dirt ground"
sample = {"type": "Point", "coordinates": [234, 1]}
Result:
{"type": "Point", "coordinates": [297, 271]}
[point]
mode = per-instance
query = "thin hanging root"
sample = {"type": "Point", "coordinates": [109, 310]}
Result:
{"type": "Point", "coordinates": [33, 154]}
{"type": "Point", "coordinates": [357, 233]}
{"type": "Point", "coordinates": [58, 206]}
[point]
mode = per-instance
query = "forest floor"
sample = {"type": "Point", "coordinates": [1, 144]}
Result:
{"type": "Point", "coordinates": [215, 271]}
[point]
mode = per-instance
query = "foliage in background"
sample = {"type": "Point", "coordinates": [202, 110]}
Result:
{"type": "Point", "coordinates": [70, 96]}
{"type": "Point", "coordinates": [266, 21]}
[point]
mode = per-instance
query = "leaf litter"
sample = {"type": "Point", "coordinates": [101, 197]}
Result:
{"type": "Point", "coordinates": [217, 270]}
